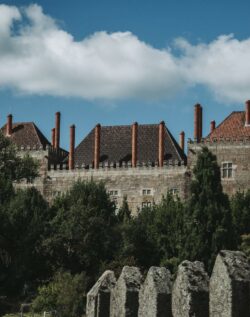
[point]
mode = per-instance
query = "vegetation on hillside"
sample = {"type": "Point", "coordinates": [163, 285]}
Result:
{"type": "Point", "coordinates": [52, 255]}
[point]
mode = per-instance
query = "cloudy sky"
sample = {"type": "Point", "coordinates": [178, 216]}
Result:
{"type": "Point", "coordinates": [116, 62]}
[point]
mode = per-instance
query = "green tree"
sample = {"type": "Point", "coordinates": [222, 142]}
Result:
{"type": "Point", "coordinates": [208, 223]}
{"type": "Point", "coordinates": [124, 213]}
{"type": "Point", "coordinates": [65, 294]}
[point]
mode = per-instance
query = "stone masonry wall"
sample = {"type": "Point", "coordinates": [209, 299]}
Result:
{"type": "Point", "coordinates": [228, 294]}
{"type": "Point", "coordinates": [232, 151]}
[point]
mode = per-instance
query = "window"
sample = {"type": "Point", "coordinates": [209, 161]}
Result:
{"type": "Point", "coordinates": [146, 204]}
{"type": "Point", "coordinates": [174, 191]}
{"type": "Point", "coordinates": [146, 192]}
{"type": "Point", "coordinates": [227, 170]}
{"type": "Point", "coordinates": [113, 192]}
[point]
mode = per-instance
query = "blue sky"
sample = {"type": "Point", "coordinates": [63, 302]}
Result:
{"type": "Point", "coordinates": [198, 68]}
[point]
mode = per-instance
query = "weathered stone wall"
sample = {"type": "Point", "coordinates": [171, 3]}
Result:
{"type": "Point", "coordinates": [236, 152]}
{"type": "Point", "coordinates": [229, 291]}
{"type": "Point", "coordinates": [121, 182]}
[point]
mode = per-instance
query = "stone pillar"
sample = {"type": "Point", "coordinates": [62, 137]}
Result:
{"type": "Point", "coordinates": [53, 137]}
{"type": "Point", "coordinates": [182, 140]}
{"type": "Point", "coordinates": [57, 130]}
{"type": "Point", "coordinates": [212, 126]}
{"type": "Point", "coordinates": [161, 143]}
{"type": "Point", "coordinates": [134, 143]}
{"type": "Point", "coordinates": [248, 113]}
{"type": "Point", "coordinates": [190, 291]}
{"type": "Point", "coordinates": [9, 125]}
{"type": "Point", "coordinates": [230, 285]}
{"type": "Point", "coordinates": [98, 298]}
{"type": "Point", "coordinates": [97, 146]}
{"type": "Point", "coordinates": [125, 295]}
{"type": "Point", "coordinates": [155, 294]}
{"type": "Point", "coordinates": [72, 148]}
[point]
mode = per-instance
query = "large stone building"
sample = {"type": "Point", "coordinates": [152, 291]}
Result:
{"type": "Point", "coordinates": [140, 162]}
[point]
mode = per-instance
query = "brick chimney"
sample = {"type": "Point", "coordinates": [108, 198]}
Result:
{"type": "Point", "coordinates": [57, 130]}
{"type": "Point", "coordinates": [182, 140]}
{"type": "Point", "coordinates": [53, 137]}
{"type": "Point", "coordinates": [134, 143]}
{"type": "Point", "coordinates": [248, 113]}
{"type": "Point", "coordinates": [72, 148]}
{"type": "Point", "coordinates": [9, 125]}
{"type": "Point", "coordinates": [212, 126]}
{"type": "Point", "coordinates": [197, 122]}
{"type": "Point", "coordinates": [200, 123]}
{"type": "Point", "coordinates": [97, 146]}
{"type": "Point", "coordinates": [161, 143]}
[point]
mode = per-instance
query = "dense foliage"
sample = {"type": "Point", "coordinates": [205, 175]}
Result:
{"type": "Point", "coordinates": [52, 255]}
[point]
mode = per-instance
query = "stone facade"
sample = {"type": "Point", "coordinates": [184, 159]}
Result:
{"type": "Point", "coordinates": [229, 291]}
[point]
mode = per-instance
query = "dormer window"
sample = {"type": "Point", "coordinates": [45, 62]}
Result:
{"type": "Point", "coordinates": [227, 170]}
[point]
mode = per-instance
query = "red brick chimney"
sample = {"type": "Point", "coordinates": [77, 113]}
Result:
{"type": "Point", "coordinates": [201, 123]}
{"type": "Point", "coordinates": [57, 130]}
{"type": "Point", "coordinates": [134, 143]}
{"type": "Point", "coordinates": [72, 148]}
{"type": "Point", "coordinates": [248, 113]}
{"type": "Point", "coordinates": [9, 125]}
{"type": "Point", "coordinates": [97, 146]}
{"type": "Point", "coordinates": [53, 137]}
{"type": "Point", "coordinates": [212, 126]}
{"type": "Point", "coordinates": [161, 143]}
{"type": "Point", "coordinates": [182, 140]}
{"type": "Point", "coordinates": [197, 122]}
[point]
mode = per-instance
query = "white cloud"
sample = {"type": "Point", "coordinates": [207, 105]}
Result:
{"type": "Point", "coordinates": [39, 57]}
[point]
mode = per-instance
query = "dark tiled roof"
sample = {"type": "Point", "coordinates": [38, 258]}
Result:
{"type": "Point", "coordinates": [232, 127]}
{"type": "Point", "coordinates": [116, 145]}
{"type": "Point", "coordinates": [27, 134]}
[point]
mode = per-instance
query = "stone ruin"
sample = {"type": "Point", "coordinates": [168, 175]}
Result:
{"type": "Point", "coordinates": [227, 294]}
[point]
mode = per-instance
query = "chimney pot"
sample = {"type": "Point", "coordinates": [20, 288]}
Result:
{"type": "Point", "coordinates": [248, 113]}
{"type": "Point", "coordinates": [9, 125]}
{"type": "Point", "coordinates": [134, 143]}
{"type": "Point", "coordinates": [212, 126]}
{"type": "Point", "coordinates": [57, 130]}
{"type": "Point", "coordinates": [161, 143]}
{"type": "Point", "coordinates": [182, 140]}
{"type": "Point", "coordinates": [72, 148]}
{"type": "Point", "coordinates": [97, 146]}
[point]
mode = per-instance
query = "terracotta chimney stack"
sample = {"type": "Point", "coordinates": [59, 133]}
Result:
{"type": "Point", "coordinates": [248, 113]}
{"type": "Point", "coordinates": [200, 123]}
{"type": "Point", "coordinates": [212, 126]}
{"type": "Point", "coordinates": [134, 143]}
{"type": "Point", "coordinates": [182, 140]}
{"type": "Point", "coordinates": [53, 137]}
{"type": "Point", "coordinates": [197, 122]}
{"type": "Point", "coordinates": [161, 143]}
{"type": "Point", "coordinates": [9, 125]}
{"type": "Point", "coordinates": [97, 146]}
{"type": "Point", "coordinates": [72, 148]}
{"type": "Point", "coordinates": [57, 130]}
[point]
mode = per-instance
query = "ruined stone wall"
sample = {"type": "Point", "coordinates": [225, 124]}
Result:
{"type": "Point", "coordinates": [191, 294]}
{"type": "Point", "coordinates": [141, 185]}
{"type": "Point", "coordinates": [226, 150]}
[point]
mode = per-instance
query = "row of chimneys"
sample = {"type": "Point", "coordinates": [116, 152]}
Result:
{"type": "Point", "coordinates": [55, 136]}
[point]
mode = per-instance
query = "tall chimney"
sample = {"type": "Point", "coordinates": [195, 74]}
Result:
{"type": "Point", "coordinates": [182, 140]}
{"type": "Point", "coordinates": [97, 146]}
{"type": "Point", "coordinates": [53, 137]}
{"type": "Point", "coordinates": [57, 130]}
{"type": "Point", "coordinates": [161, 143]}
{"type": "Point", "coordinates": [197, 122]}
{"type": "Point", "coordinates": [134, 143]}
{"type": "Point", "coordinates": [9, 125]}
{"type": "Point", "coordinates": [212, 126]}
{"type": "Point", "coordinates": [72, 148]}
{"type": "Point", "coordinates": [248, 113]}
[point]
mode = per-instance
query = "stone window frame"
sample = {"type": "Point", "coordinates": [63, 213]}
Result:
{"type": "Point", "coordinates": [227, 170]}
{"type": "Point", "coordinates": [146, 204]}
{"type": "Point", "coordinates": [147, 192]}
{"type": "Point", "coordinates": [114, 192]}
{"type": "Point", "coordinates": [174, 191]}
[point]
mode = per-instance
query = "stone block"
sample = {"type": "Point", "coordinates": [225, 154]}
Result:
{"type": "Point", "coordinates": [98, 298]}
{"type": "Point", "coordinates": [190, 291]}
{"type": "Point", "coordinates": [230, 285]}
{"type": "Point", "coordinates": [125, 295]}
{"type": "Point", "coordinates": [155, 294]}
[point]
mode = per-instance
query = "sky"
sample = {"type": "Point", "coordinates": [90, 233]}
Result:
{"type": "Point", "coordinates": [115, 62]}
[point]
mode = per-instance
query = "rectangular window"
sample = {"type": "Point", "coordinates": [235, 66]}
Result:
{"type": "Point", "coordinates": [113, 192]}
{"type": "Point", "coordinates": [146, 204]}
{"type": "Point", "coordinates": [227, 170]}
{"type": "Point", "coordinates": [174, 191]}
{"type": "Point", "coordinates": [146, 192]}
